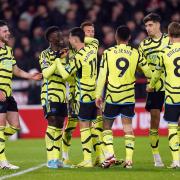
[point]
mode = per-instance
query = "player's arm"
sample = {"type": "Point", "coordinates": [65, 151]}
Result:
{"type": "Point", "coordinates": [91, 41]}
{"type": "Point", "coordinates": [156, 74]}
{"type": "Point", "coordinates": [68, 69]}
{"type": "Point", "coordinates": [143, 65]}
{"type": "Point", "coordinates": [101, 80]}
{"type": "Point", "coordinates": [47, 68]}
{"type": "Point", "coordinates": [20, 73]}
{"type": "Point", "coordinates": [140, 51]}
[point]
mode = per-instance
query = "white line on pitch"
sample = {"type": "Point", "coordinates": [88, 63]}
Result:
{"type": "Point", "coordinates": [22, 172]}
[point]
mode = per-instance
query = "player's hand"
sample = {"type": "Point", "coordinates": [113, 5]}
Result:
{"type": "Point", "coordinates": [36, 76]}
{"type": "Point", "coordinates": [2, 96]}
{"type": "Point", "coordinates": [148, 89]}
{"type": "Point", "coordinates": [99, 102]}
{"type": "Point", "coordinates": [62, 53]}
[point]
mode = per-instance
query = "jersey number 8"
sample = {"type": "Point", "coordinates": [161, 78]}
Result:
{"type": "Point", "coordinates": [176, 62]}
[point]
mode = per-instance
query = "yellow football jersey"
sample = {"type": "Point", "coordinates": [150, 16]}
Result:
{"type": "Point", "coordinates": [170, 63]}
{"type": "Point", "coordinates": [71, 79]}
{"type": "Point", "coordinates": [84, 64]}
{"type": "Point", "coordinates": [150, 48]}
{"type": "Point", "coordinates": [117, 68]}
{"type": "Point", "coordinates": [7, 62]}
{"type": "Point", "coordinates": [53, 88]}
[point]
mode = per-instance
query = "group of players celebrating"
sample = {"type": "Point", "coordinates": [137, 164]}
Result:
{"type": "Point", "coordinates": [95, 98]}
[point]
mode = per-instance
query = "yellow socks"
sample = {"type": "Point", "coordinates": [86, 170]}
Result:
{"type": "Point", "coordinates": [67, 135]}
{"type": "Point", "coordinates": [86, 143]}
{"type": "Point", "coordinates": [178, 132]}
{"type": "Point", "coordinates": [2, 144]}
{"type": "Point", "coordinates": [154, 140]}
{"type": "Point", "coordinates": [173, 141]}
{"type": "Point", "coordinates": [129, 144]}
{"type": "Point", "coordinates": [53, 142]}
{"type": "Point", "coordinates": [57, 143]}
{"type": "Point", "coordinates": [97, 138]}
{"type": "Point", "coordinates": [108, 143]}
{"type": "Point", "coordinates": [49, 138]}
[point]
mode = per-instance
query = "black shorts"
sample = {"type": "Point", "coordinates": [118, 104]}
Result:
{"type": "Point", "coordinates": [87, 111]}
{"type": "Point", "coordinates": [155, 100]}
{"type": "Point", "coordinates": [55, 109]}
{"type": "Point", "coordinates": [8, 105]}
{"type": "Point", "coordinates": [113, 110]}
{"type": "Point", "coordinates": [172, 113]}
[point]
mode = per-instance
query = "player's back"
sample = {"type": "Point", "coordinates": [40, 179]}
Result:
{"type": "Point", "coordinates": [121, 66]}
{"type": "Point", "coordinates": [171, 60]}
{"type": "Point", "coordinates": [87, 73]}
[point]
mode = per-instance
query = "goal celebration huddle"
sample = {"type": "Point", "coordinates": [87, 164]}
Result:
{"type": "Point", "coordinates": [92, 93]}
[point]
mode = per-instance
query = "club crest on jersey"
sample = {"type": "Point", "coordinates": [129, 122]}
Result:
{"type": "Point", "coordinates": [44, 62]}
{"type": "Point", "coordinates": [68, 68]}
{"type": "Point", "coordinates": [150, 50]}
{"type": "Point", "coordinates": [7, 64]}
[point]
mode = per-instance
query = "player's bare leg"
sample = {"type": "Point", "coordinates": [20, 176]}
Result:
{"type": "Point", "coordinates": [13, 123]}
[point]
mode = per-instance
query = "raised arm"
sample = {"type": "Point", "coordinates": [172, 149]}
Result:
{"type": "Point", "coordinates": [69, 69]}
{"type": "Point", "coordinates": [47, 69]}
{"type": "Point", "coordinates": [91, 41]}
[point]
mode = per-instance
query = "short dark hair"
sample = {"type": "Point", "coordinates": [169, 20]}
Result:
{"type": "Point", "coordinates": [51, 30]}
{"type": "Point", "coordinates": [77, 31]}
{"type": "Point", "coordinates": [3, 23]}
{"type": "Point", "coordinates": [152, 17]}
{"type": "Point", "coordinates": [86, 23]}
{"type": "Point", "coordinates": [174, 30]}
{"type": "Point", "coordinates": [123, 32]}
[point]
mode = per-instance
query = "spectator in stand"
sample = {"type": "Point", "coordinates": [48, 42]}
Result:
{"type": "Point", "coordinates": [42, 18]}
{"type": "Point", "coordinates": [29, 14]}
{"type": "Point", "coordinates": [22, 29]}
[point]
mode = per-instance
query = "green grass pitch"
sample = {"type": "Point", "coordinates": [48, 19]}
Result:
{"type": "Point", "coordinates": [31, 153]}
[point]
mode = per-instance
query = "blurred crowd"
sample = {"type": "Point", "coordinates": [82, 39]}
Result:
{"type": "Point", "coordinates": [28, 20]}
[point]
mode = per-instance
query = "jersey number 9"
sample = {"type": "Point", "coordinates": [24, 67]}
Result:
{"type": "Point", "coordinates": [122, 64]}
